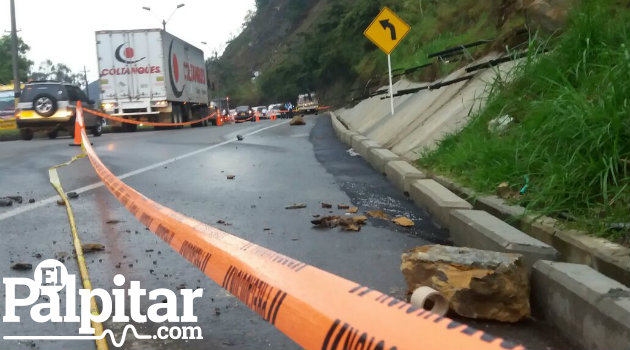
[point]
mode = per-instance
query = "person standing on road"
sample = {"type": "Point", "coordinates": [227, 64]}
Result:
{"type": "Point", "coordinates": [289, 107]}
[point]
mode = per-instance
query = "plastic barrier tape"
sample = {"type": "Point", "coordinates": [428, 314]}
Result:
{"type": "Point", "coordinates": [131, 121]}
{"type": "Point", "coordinates": [315, 308]}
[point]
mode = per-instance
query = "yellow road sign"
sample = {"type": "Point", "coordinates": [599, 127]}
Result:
{"type": "Point", "coordinates": [386, 30]}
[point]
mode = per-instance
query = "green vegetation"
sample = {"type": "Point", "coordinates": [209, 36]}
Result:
{"type": "Point", "coordinates": [6, 61]}
{"type": "Point", "coordinates": [571, 131]}
{"type": "Point", "coordinates": [324, 49]}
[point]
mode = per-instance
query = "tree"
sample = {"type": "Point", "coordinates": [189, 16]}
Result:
{"type": "Point", "coordinates": [58, 72]}
{"type": "Point", "coordinates": [6, 60]}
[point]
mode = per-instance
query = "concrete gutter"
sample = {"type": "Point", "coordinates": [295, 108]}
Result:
{"type": "Point", "coordinates": [581, 302]}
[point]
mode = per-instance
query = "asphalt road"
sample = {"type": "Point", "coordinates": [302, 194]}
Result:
{"type": "Point", "coordinates": [274, 166]}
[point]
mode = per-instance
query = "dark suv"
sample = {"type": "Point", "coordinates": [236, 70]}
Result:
{"type": "Point", "coordinates": [51, 106]}
{"type": "Point", "coordinates": [243, 114]}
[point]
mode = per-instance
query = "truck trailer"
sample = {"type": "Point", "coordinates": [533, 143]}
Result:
{"type": "Point", "coordinates": [151, 75]}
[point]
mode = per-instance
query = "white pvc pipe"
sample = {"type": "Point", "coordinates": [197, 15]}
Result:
{"type": "Point", "coordinates": [423, 294]}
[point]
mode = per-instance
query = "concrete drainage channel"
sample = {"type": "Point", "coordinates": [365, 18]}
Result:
{"type": "Point", "coordinates": [584, 304]}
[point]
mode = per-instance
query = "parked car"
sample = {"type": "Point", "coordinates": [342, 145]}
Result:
{"type": "Point", "coordinates": [243, 114]}
{"type": "Point", "coordinates": [277, 110]}
{"type": "Point", "coordinates": [50, 106]}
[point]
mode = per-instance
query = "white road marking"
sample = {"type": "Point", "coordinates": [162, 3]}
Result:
{"type": "Point", "coordinates": [53, 199]}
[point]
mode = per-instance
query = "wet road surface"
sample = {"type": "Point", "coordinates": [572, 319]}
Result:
{"type": "Point", "coordinates": [274, 166]}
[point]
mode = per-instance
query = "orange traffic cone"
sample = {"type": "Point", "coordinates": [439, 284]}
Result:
{"type": "Point", "coordinates": [78, 125]}
{"type": "Point", "coordinates": [219, 119]}
{"type": "Point", "coordinates": [257, 117]}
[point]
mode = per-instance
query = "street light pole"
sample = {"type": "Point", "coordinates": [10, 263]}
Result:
{"type": "Point", "coordinates": [14, 44]}
{"type": "Point", "coordinates": [164, 21]}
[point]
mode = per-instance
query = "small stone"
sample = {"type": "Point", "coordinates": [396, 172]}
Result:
{"type": "Point", "coordinates": [32, 200]}
{"type": "Point", "coordinates": [92, 247]}
{"type": "Point", "coordinates": [72, 195]}
{"type": "Point", "coordinates": [296, 206]}
{"type": "Point", "coordinates": [239, 137]}
{"type": "Point", "coordinates": [22, 266]}
{"type": "Point", "coordinates": [377, 214]}
{"type": "Point", "coordinates": [403, 221]}
{"type": "Point", "coordinates": [326, 205]}
{"type": "Point", "coordinates": [112, 222]}
{"type": "Point", "coordinates": [478, 283]}
{"type": "Point", "coordinates": [316, 215]}
{"type": "Point", "coordinates": [353, 210]}
{"type": "Point", "coordinates": [5, 202]}
{"type": "Point", "coordinates": [231, 177]}
{"type": "Point", "coordinates": [61, 202]}
{"type": "Point", "coordinates": [37, 255]}
{"type": "Point", "coordinates": [326, 221]}
{"type": "Point", "coordinates": [343, 206]}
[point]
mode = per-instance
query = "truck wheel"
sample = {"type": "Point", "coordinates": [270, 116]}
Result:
{"type": "Point", "coordinates": [52, 134]}
{"type": "Point", "coordinates": [26, 134]}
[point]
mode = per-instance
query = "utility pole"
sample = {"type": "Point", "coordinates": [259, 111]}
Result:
{"type": "Point", "coordinates": [14, 42]}
{"type": "Point", "coordinates": [87, 85]}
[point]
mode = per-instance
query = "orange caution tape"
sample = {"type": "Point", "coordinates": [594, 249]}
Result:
{"type": "Point", "coordinates": [131, 121]}
{"type": "Point", "coordinates": [315, 308]}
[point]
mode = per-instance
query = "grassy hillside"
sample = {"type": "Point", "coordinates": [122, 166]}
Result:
{"type": "Point", "coordinates": [300, 45]}
{"type": "Point", "coordinates": [570, 139]}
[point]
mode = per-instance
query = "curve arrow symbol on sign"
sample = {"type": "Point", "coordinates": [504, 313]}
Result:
{"type": "Point", "coordinates": [385, 23]}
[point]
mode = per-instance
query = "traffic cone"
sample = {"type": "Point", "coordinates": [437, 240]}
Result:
{"type": "Point", "coordinates": [257, 117]}
{"type": "Point", "coordinates": [78, 125]}
{"type": "Point", "coordinates": [219, 119]}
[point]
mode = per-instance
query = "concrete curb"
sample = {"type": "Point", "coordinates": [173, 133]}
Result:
{"type": "Point", "coordinates": [379, 157]}
{"type": "Point", "coordinates": [478, 229]}
{"type": "Point", "coordinates": [584, 304]}
{"type": "Point", "coordinates": [363, 147]}
{"type": "Point", "coordinates": [402, 174]}
{"type": "Point", "coordinates": [437, 199]}
{"type": "Point", "coordinates": [612, 260]}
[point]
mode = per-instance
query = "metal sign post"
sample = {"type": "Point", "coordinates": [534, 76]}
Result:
{"type": "Point", "coordinates": [386, 31]}
{"type": "Point", "coordinates": [391, 86]}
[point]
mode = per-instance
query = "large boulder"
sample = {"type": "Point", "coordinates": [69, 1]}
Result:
{"type": "Point", "coordinates": [478, 283]}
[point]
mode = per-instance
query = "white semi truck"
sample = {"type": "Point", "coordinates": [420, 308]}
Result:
{"type": "Point", "coordinates": [151, 75]}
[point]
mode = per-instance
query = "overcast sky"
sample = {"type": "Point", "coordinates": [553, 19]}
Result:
{"type": "Point", "coordinates": [63, 30]}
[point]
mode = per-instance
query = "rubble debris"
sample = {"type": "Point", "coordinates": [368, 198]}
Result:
{"type": "Point", "coordinates": [61, 202]}
{"type": "Point", "coordinates": [32, 200]}
{"type": "Point", "coordinates": [5, 202]}
{"type": "Point", "coordinates": [22, 266]}
{"type": "Point", "coordinates": [353, 210]}
{"type": "Point", "coordinates": [352, 223]}
{"type": "Point", "coordinates": [296, 206]}
{"type": "Point", "coordinates": [326, 221]}
{"type": "Point", "coordinates": [92, 247]}
{"type": "Point", "coordinates": [297, 120]}
{"type": "Point", "coordinates": [239, 137]}
{"type": "Point", "coordinates": [403, 221]}
{"type": "Point", "coordinates": [478, 283]}
{"type": "Point", "coordinates": [17, 199]}
{"type": "Point", "coordinates": [61, 256]}
{"type": "Point", "coordinates": [231, 177]}
{"type": "Point", "coordinates": [72, 195]}
{"type": "Point", "coordinates": [316, 215]}
{"type": "Point", "coordinates": [223, 222]}
{"type": "Point", "coordinates": [114, 221]}
{"type": "Point", "coordinates": [377, 214]}
{"type": "Point", "coordinates": [343, 206]}
{"type": "Point", "coordinates": [266, 229]}
{"type": "Point", "coordinates": [326, 205]}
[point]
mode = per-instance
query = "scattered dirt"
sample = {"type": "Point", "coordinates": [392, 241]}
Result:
{"type": "Point", "coordinates": [379, 214]}
{"type": "Point", "coordinates": [92, 247]}
{"type": "Point", "coordinates": [352, 223]}
{"type": "Point", "coordinates": [223, 222]}
{"type": "Point", "coordinates": [403, 221]}
{"type": "Point", "coordinates": [296, 206]}
{"type": "Point", "coordinates": [17, 199]}
{"type": "Point", "coordinates": [22, 266]}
